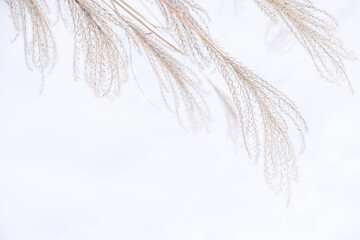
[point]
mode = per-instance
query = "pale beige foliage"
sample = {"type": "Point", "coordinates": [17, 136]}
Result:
{"type": "Point", "coordinates": [106, 60]}
{"type": "Point", "coordinates": [178, 84]}
{"type": "Point", "coordinates": [30, 18]}
{"type": "Point", "coordinates": [261, 112]}
{"type": "Point", "coordinates": [314, 29]}
{"type": "Point", "coordinates": [260, 106]}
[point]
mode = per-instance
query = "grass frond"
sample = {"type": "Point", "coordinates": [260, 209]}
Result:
{"type": "Point", "coordinates": [260, 106]}
{"type": "Point", "coordinates": [263, 115]}
{"type": "Point", "coordinates": [179, 86]}
{"type": "Point", "coordinates": [315, 31]}
{"type": "Point", "coordinates": [106, 60]}
{"type": "Point", "coordinates": [30, 18]}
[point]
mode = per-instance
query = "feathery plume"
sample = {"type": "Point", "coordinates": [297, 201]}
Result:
{"type": "Point", "coordinates": [106, 60]}
{"type": "Point", "coordinates": [259, 105]}
{"type": "Point", "coordinates": [30, 18]}
{"type": "Point", "coordinates": [262, 113]}
{"type": "Point", "coordinates": [314, 29]}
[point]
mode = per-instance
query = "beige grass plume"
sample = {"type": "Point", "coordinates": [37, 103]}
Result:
{"type": "Point", "coordinates": [315, 31]}
{"type": "Point", "coordinates": [262, 113]}
{"type": "Point", "coordinates": [30, 18]}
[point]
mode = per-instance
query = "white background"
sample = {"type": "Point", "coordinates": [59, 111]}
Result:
{"type": "Point", "coordinates": [76, 167]}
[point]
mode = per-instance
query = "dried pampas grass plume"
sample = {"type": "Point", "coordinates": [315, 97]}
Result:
{"type": "Point", "coordinates": [104, 54]}
{"type": "Point", "coordinates": [173, 47]}
{"type": "Point", "coordinates": [30, 18]}
{"type": "Point", "coordinates": [314, 29]}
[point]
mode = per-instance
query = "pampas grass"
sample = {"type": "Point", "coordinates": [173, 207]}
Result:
{"type": "Point", "coordinates": [314, 29]}
{"type": "Point", "coordinates": [259, 111]}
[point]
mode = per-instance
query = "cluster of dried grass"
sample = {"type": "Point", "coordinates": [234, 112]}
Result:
{"type": "Point", "coordinates": [261, 112]}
